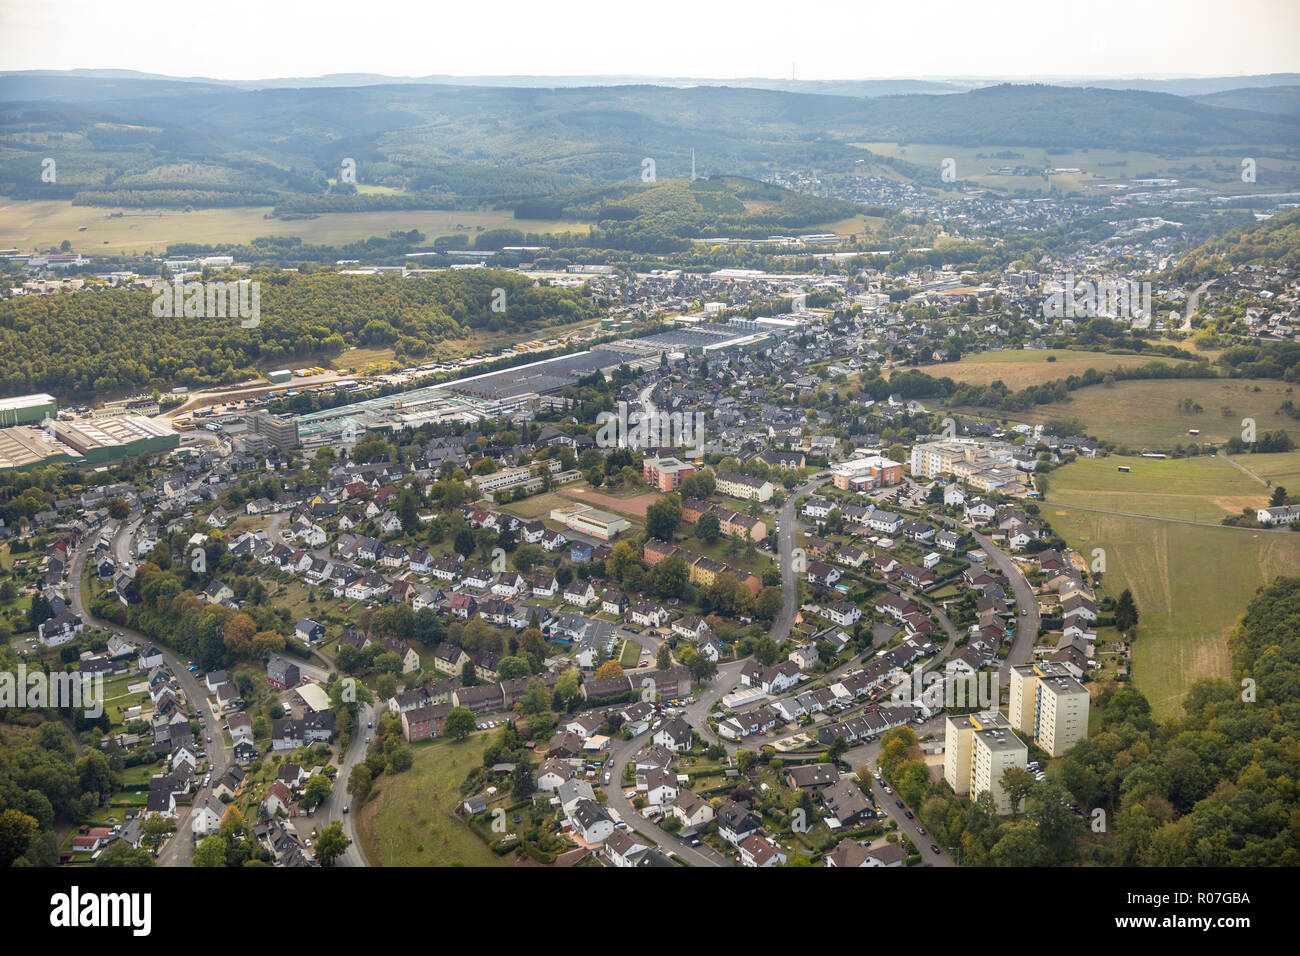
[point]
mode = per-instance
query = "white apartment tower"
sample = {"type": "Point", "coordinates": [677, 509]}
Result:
{"type": "Point", "coordinates": [1050, 705]}
{"type": "Point", "coordinates": [978, 750]}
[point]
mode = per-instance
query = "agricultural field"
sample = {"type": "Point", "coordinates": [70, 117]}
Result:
{"type": "Point", "coordinates": [28, 224]}
{"type": "Point", "coordinates": [410, 819]}
{"type": "Point", "coordinates": [1188, 605]}
{"type": "Point", "coordinates": [1190, 489]}
{"type": "Point", "coordinates": [1147, 414]}
{"type": "Point", "coordinates": [1024, 367]}
{"type": "Point", "coordinates": [1281, 469]}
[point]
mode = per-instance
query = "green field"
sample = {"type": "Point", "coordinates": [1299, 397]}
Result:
{"type": "Point", "coordinates": [1191, 584]}
{"type": "Point", "coordinates": [410, 818]}
{"type": "Point", "coordinates": [1191, 489]}
{"type": "Point", "coordinates": [1279, 469]}
{"type": "Point", "coordinates": [1024, 367]}
{"type": "Point", "coordinates": [28, 224]}
{"type": "Point", "coordinates": [1145, 414]}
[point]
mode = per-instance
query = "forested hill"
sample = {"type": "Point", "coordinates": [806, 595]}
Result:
{"type": "Point", "coordinates": [1216, 787]}
{"type": "Point", "coordinates": [89, 342]}
{"type": "Point", "coordinates": [125, 141]}
{"type": "Point", "coordinates": [1274, 242]}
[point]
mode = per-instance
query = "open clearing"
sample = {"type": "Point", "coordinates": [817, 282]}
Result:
{"type": "Point", "coordinates": [1020, 369]}
{"type": "Point", "coordinates": [1192, 489]}
{"type": "Point", "coordinates": [410, 818]}
{"type": "Point", "coordinates": [1188, 604]}
{"type": "Point", "coordinates": [27, 224]}
{"type": "Point", "coordinates": [1146, 414]}
{"type": "Point", "coordinates": [634, 506]}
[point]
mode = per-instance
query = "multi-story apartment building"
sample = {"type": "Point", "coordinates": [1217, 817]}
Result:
{"type": "Point", "coordinates": [979, 748]}
{"type": "Point", "coordinates": [743, 486]}
{"type": "Point", "coordinates": [985, 466]}
{"type": "Point", "coordinates": [1049, 704]}
{"type": "Point", "coordinates": [666, 474]}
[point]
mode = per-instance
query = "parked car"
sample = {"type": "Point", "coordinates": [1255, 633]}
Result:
{"type": "Point", "coordinates": [934, 848]}
{"type": "Point", "coordinates": [900, 804]}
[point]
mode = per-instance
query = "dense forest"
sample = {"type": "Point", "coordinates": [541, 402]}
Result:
{"type": "Point", "coordinates": [92, 342]}
{"type": "Point", "coordinates": [1274, 242]}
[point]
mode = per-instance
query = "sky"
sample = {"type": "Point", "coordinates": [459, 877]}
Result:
{"type": "Point", "coordinates": [816, 40]}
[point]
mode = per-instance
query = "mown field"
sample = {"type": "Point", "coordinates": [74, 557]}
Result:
{"type": "Point", "coordinates": [1282, 469]}
{"type": "Point", "coordinates": [1191, 489]}
{"type": "Point", "coordinates": [31, 224]}
{"type": "Point", "coordinates": [410, 818]}
{"type": "Point", "coordinates": [1147, 414]}
{"type": "Point", "coordinates": [1190, 582]}
{"type": "Point", "coordinates": [1021, 368]}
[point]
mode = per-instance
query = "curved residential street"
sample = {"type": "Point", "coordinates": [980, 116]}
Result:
{"type": "Point", "coordinates": [180, 848]}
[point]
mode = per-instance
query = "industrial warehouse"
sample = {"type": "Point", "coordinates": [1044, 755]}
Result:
{"type": "Point", "coordinates": [31, 434]}
{"type": "Point", "coordinates": [511, 392]}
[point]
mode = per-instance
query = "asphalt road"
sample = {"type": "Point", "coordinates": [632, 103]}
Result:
{"type": "Point", "coordinates": [866, 755]}
{"type": "Point", "coordinates": [619, 755]}
{"type": "Point", "coordinates": [180, 848]}
{"type": "Point", "coordinates": [1193, 298]}
{"type": "Point", "coordinates": [1027, 624]}
{"type": "Point", "coordinates": [332, 808]}
{"type": "Point", "coordinates": [785, 548]}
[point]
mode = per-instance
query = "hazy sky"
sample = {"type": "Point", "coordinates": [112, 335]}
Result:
{"type": "Point", "coordinates": [820, 39]}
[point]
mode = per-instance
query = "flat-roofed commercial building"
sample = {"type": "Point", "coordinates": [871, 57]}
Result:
{"type": "Point", "coordinates": [23, 446]}
{"type": "Point", "coordinates": [978, 749]}
{"type": "Point", "coordinates": [27, 409]}
{"type": "Point", "coordinates": [280, 431]}
{"type": "Point", "coordinates": [1048, 703]}
{"type": "Point", "coordinates": [588, 520]}
{"type": "Point", "coordinates": [107, 439]}
{"type": "Point", "coordinates": [508, 478]}
{"type": "Point", "coordinates": [864, 474]}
